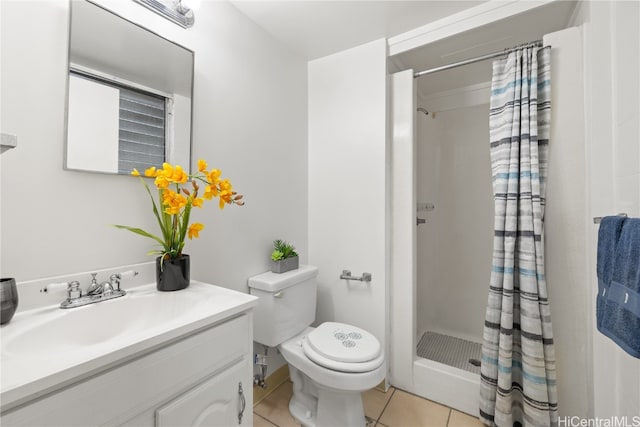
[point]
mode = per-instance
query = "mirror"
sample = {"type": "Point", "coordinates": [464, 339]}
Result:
{"type": "Point", "coordinates": [129, 96]}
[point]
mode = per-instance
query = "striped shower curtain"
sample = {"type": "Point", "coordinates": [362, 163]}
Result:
{"type": "Point", "coordinates": [518, 378]}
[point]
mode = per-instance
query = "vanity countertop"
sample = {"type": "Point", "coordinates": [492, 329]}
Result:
{"type": "Point", "coordinates": [47, 348]}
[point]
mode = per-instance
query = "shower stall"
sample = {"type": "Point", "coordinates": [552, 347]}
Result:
{"type": "Point", "coordinates": [442, 209]}
{"type": "Point", "coordinates": [454, 244]}
{"type": "Point", "coordinates": [442, 213]}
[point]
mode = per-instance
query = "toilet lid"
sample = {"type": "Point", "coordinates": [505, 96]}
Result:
{"type": "Point", "coordinates": [343, 343]}
{"type": "Point", "coordinates": [359, 367]}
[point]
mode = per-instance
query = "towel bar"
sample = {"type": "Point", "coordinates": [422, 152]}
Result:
{"type": "Point", "coordinates": [597, 219]}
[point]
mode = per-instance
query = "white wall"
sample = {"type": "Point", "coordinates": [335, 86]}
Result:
{"type": "Point", "coordinates": [455, 245]}
{"type": "Point", "coordinates": [53, 221]}
{"type": "Point", "coordinates": [613, 133]}
{"type": "Point", "coordinates": [566, 257]}
{"type": "Point", "coordinates": [347, 183]}
{"type": "Point", "coordinates": [249, 120]}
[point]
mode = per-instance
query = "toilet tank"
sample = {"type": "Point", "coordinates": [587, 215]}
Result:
{"type": "Point", "coordinates": [287, 304]}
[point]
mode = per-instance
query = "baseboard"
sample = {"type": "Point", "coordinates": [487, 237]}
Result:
{"type": "Point", "coordinates": [273, 381]}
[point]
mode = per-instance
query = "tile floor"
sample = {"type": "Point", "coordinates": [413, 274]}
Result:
{"type": "Point", "coordinates": [395, 408]}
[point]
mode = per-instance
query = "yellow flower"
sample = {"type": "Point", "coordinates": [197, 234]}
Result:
{"type": "Point", "coordinates": [202, 165]}
{"type": "Point", "coordinates": [226, 193]}
{"type": "Point", "coordinates": [135, 172]}
{"type": "Point", "coordinates": [168, 195]}
{"type": "Point", "coordinates": [150, 172]}
{"type": "Point", "coordinates": [173, 201]}
{"type": "Point", "coordinates": [197, 202]}
{"type": "Point", "coordinates": [171, 210]}
{"type": "Point", "coordinates": [194, 229]}
{"type": "Point", "coordinates": [214, 176]}
{"type": "Point", "coordinates": [179, 175]}
{"type": "Point", "coordinates": [161, 181]}
{"type": "Point", "coordinates": [210, 192]}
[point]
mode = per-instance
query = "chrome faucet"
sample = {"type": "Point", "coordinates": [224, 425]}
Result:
{"type": "Point", "coordinates": [96, 292]}
{"type": "Point", "coordinates": [94, 288]}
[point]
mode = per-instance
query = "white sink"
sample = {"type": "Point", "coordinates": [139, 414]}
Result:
{"type": "Point", "coordinates": [70, 330]}
{"type": "Point", "coordinates": [45, 347]}
{"type": "Point", "coordinates": [73, 329]}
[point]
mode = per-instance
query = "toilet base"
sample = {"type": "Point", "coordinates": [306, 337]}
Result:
{"type": "Point", "coordinates": [313, 405]}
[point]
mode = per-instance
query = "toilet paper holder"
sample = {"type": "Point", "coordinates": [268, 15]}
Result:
{"type": "Point", "coordinates": [346, 275]}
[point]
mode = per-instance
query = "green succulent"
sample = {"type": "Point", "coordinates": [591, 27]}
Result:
{"type": "Point", "coordinates": [282, 250]}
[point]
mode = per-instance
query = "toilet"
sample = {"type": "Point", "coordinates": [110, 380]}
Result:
{"type": "Point", "coordinates": [330, 365]}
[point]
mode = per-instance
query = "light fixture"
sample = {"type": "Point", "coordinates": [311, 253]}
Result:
{"type": "Point", "coordinates": [175, 11]}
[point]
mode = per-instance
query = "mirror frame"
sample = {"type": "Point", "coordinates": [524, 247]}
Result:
{"type": "Point", "coordinates": [186, 167]}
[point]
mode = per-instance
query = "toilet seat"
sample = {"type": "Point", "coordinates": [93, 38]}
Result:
{"type": "Point", "coordinates": [343, 347]}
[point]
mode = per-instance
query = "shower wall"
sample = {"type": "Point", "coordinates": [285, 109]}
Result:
{"type": "Point", "coordinates": [454, 247]}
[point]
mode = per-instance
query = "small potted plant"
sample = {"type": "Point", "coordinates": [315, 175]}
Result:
{"type": "Point", "coordinates": [284, 257]}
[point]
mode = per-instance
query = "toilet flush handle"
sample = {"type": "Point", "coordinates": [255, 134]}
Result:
{"type": "Point", "coordinates": [278, 294]}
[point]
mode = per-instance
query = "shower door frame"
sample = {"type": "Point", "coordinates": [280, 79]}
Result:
{"type": "Point", "coordinates": [451, 386]}
{"type": "Point", "coordinates": [402, 313]}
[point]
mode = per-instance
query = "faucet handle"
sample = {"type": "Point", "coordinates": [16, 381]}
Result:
{"type": "Point", "coordinates": [114, 281]}
{"type": "Point", "coordinates": [73, 290]}
{"type": "Point", "coordinates": [115, 278]}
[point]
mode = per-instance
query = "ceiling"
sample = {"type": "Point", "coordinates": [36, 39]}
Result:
{"type": "Point", "coordinates": [317, 28]}
{"type": "Point", "coordinates": [519, 29]}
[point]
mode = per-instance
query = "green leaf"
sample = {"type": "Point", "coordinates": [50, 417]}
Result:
{"type": "Point", "coordinates": [184, 224]}
{"type": "Point", "coordinates": [141, 232]}
{"type": "Point", "coordinates": [155, 208]}
{"type": "Point", "coordinates": [285, 249]}
{"type": "Point", "coordinates": [165, 223]}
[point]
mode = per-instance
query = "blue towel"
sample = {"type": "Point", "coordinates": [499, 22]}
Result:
{"type": "Point", "coordinates": [608, 236]}
{"type": "Point", "coordinates": [621, 311]}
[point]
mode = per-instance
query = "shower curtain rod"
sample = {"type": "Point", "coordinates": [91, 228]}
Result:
{"type": "Point", "coordinates": [477, 59]}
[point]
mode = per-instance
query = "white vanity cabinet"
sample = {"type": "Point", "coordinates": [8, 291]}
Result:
{"type": "Point", "coordinates": [219, 401]}
{"type": "Point", "coordinates": [201, 379]}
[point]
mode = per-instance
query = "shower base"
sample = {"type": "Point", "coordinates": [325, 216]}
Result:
{"type": "Point", "coordinates": [451, 351]}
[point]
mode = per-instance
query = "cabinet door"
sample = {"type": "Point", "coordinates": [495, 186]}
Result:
{"type": "Point", "coordinates": [219, 401]}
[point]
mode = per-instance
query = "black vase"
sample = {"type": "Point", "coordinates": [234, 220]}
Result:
{"type": "Point", "coordinates": [8, 299]}
{"type": "Point", "coordinates": [172, 274]}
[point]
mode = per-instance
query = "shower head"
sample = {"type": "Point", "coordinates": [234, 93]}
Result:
{"type": "Point", "coordinates": [422, 110]}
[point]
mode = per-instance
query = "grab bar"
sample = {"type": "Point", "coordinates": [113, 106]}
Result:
{"type": "Point", "coordinates": [346, 275]}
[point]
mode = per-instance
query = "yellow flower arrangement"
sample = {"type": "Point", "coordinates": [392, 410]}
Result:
{"type": "Point", "coordinates": [175, 201]}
